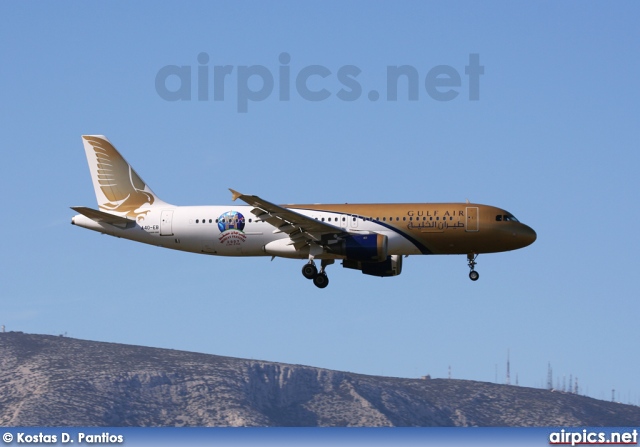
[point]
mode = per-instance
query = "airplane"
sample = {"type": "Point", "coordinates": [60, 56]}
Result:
{"type": "Point", "coordinates": [372, 238]}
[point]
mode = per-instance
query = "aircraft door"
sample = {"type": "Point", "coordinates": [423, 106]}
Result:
{"type": "Point", "coordinates": [472, 218]}
{"type": "Point", "coordinates": [165, 223]}
{"type": "Point", "coordinates": [353, 221]}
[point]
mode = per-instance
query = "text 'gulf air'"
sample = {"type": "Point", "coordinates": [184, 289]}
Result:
{"type": "Point", "coordinates": [372, 238]}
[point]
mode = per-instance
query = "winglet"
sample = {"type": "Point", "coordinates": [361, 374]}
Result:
{"type": "Point", "coordinates": [235, 194]}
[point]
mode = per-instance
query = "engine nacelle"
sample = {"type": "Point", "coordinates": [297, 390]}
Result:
{"type": "Point", "coordinates": [391, 267]}
{"type": "Point", "coordinates": [362, 247]}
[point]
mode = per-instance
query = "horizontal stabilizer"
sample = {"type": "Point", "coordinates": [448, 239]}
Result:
{"type": "Point", "coordinates": [102, 217]}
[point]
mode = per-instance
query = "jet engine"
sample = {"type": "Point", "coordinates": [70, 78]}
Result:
{"type": "Point", "coordinates": [361, 247]}
{"type": "Point", "coordinates": [392, 266]}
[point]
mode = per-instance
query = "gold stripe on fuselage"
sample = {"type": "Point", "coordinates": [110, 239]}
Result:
{"type": "Point", "coordinates": [440, 228]}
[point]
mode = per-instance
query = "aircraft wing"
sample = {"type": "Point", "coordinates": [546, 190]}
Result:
{"type": "Point", "coordinates": [301, 229]}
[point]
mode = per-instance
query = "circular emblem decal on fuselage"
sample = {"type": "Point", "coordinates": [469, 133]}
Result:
{"type": "Point", "coordinates": [231, 225]}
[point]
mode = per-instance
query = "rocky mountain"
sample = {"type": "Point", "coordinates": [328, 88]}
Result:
{"type": "Point", "coordinates": [60, 381]}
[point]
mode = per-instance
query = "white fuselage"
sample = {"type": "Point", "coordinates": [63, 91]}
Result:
{"type": "Point", "coordinates": [197, 229]}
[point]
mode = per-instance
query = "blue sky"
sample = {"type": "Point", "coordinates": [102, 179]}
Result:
{"type": "Point", "coordinates": [552, 138]}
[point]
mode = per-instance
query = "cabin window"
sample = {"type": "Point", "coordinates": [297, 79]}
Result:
{"type": "Point", "coordinates": [499, 218]}
{"type": "Point", "coordinates": [197, 221]}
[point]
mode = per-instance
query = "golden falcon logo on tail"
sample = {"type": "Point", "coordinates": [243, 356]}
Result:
{"type": "Point", "coordinates": [123, 189]}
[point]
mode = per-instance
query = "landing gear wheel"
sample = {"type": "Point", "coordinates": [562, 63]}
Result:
{"type": "Point", "coordinates": [471, 261]}
{"type": "Point", "coordinates": [310, 271]}
{"type": "Point", "coordinates": [321, 281]}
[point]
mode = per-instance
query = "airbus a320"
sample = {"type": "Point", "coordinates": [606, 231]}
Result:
{"type": "Point", "coordinates": [372, 238]}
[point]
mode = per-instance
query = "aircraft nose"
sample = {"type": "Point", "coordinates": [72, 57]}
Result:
{"type": "Point", "coordinates": [527, 235]}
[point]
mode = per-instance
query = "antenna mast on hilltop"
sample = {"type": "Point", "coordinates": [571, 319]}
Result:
{"type": "Point", "coordinates": [508, 369]}
{"type": "Point", "coordinates": [549, 377]}
{"type": "Point", "coordinates": [571, 383]}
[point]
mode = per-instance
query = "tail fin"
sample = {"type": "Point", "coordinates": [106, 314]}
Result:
{"type": "Point", "coordinates": [119, 189]}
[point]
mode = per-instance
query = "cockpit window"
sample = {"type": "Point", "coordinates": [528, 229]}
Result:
{"type": "Point", "coordinates": [506, 218]}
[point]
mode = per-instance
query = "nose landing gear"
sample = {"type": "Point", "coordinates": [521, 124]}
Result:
{"type": "Point", "coordinates": [471, 258]}
{"type": "Point", "coordinates": [320, 278]}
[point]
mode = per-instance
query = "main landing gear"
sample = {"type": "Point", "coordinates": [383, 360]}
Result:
{"type": "Point", "coordinates": [471, 258]}
{"type": "Point", "coordinates": [320, 278]}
